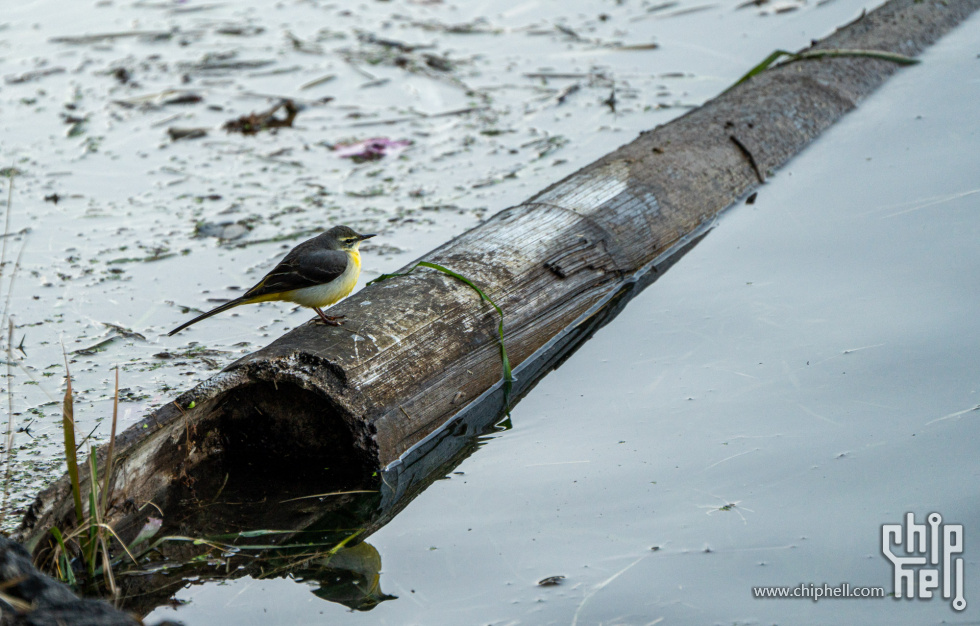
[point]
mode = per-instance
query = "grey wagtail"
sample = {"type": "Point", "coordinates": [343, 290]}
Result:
{"type": "Point", "coordinates": [316, 273]}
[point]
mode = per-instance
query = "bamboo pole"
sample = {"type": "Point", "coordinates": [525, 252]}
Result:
{"type": "Point", "coordinates": [420, 352]}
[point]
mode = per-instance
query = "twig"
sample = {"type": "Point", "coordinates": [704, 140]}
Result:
{"type": "Point", "coordinates": [6, 228]}
{"type": "Point", "coordinates": [567, 91]}
{"type": "Point", "coordinates": [8, 475]}
{"type": "Point", "coordinates": [547, 75]}
{"type": "Point", "coordinates": [332, 493]}
{"type": "Point", "coordinates": [317, 81]}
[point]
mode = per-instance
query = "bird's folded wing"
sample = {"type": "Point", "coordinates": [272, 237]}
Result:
{"type": "Point", "coordinates": [309, 268]}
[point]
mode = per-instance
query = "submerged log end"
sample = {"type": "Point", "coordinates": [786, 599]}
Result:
{"type": "Point", "coordinates": [262, 420]}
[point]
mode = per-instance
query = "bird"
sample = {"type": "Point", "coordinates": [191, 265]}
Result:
{"type": "Point", "coordinates": [317, 273]}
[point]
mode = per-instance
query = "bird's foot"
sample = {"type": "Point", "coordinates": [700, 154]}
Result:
{"type": "Point", "coordinates": [328, 320]}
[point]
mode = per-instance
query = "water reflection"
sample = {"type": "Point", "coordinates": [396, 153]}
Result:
{"type": "Point", "coordinates": [351, 577]}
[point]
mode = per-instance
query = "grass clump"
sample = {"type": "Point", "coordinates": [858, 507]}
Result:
{"type": "Point", "coordinates": [86, 548]}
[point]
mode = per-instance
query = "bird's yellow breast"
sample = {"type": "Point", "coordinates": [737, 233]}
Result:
{"type": "Point", "coordinates": [329, 293]}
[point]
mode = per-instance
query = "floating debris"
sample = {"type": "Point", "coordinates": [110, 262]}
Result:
{"type": "Point", "coordinates": [769, 7]}
{"type": "Point", "coordinates": [156, 35]}
{"type": "Point", "coordinates": [565, 30]}
{"type": "Point", "coordinates": [129, 333]}
{"type": "Point", "coordinates": [663, 6]}
{"type": "Point", "coordinates": [240, 31]}
{"type": "Point", "coordinates": [121, 74]}
{"type": "Point", "coordinates": [567, 91]}
{"type": "Point", "coordinates": [479, 25]}
{"type": "Point", "coordinates": [438, 63]}
{"type": "Point", "coordinates": [420, 116]}
{"type": "Point", "coordinates": [303, 46]}
{"type": "Point", "coordinates": [176, 134]}
{"type": "Point", "coordinates": [547, 145]}
{"type": "Point", "coordinates": [690, 10]}
{"type": "Point", "coordinates": [225, 231]}
{"type": "Point", "coordinates": [546, 75]}
{"type": "Point", "coordinates": [635, 46]}
{"type": "Point", "coordinates": [76, 125]}
{"type": "Point", "coordinates": [611, 101]}
{"type": "Point", "coordinates": [27, 77]}
{"type": "Point", "coordinates": [225, 62]}
{"type": "Point", "coordinates": [318, 81]}
{"type": "Point", "coordinates": [390, 43]}
{"type": "Point", "coordinates": [161, 99]}
{"type": "Point", "coordinates": [371, 149]}
{"type": "Point", "coordinates": [113, 333]}
{"type": "Point", "coordinates": [254, 122]}
{"type": "Point", "coordinates": [377, 51]}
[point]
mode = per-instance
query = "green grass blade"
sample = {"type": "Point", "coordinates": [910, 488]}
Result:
{"type": "Point", "coordinates": [71, 456]}
{"type": "Point", "coordinates": [387, 276]}
{"type": "Point", "coordinates": [773, 58]}
{"type": "Point", "coordinates": [92, 547]}
{"type": "Point", "coordinates": [761, 67]}
{"type": "Point", "coordinates": [112, 447]}
{"type": "Point", "coordinates": [104, 531]}
{"type": "Point", "coordinates": [508, 374]}
{"type": "Point", "coordinates": [881, 55]}
{"type": "Point", "coordinates": [68, 576]}
{"type": "Point", "coordinates": [466, 280]}
{"type": "Point", "coordinates": [93, 476]}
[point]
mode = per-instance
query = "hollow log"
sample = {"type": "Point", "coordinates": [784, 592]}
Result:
{"type": "Point", "coordinates": [418, 351]}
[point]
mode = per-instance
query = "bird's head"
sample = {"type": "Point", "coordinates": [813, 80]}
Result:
{"type": "Point", "coordinates": [345, 238]}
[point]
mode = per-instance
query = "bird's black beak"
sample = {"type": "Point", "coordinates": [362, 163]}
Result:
{"type": "Point", "coordinates": [363, 237]}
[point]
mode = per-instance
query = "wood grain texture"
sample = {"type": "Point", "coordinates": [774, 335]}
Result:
{"type": "Point", "coordinates": [416, 350]}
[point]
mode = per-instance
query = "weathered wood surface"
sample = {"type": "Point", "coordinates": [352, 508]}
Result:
{"type": "Point", "coordinates": [418, 349]}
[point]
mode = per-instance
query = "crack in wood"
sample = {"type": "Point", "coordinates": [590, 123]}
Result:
{"type": "Point", "coordinates": [748, 156]}
{"type": "Point", "coordinates": [585, 254]}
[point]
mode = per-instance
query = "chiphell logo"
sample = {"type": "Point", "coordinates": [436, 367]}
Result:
{"type": "Point", "coordinates": [926, 555]}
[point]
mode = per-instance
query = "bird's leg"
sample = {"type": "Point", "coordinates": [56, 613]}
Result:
{"type": "Point", "coordinates": [329, 320]}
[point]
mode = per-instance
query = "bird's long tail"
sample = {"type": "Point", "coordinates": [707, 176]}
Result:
{"type": "Point", "coordinates": [218, 309]}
